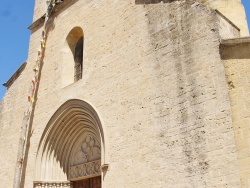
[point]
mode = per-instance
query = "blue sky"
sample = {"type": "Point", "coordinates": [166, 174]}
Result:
{"type": "Point", "coordinates": [15, 17]}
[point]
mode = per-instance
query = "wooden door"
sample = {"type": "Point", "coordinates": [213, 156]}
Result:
{"type": "Point", "coordinates": [95, 182]}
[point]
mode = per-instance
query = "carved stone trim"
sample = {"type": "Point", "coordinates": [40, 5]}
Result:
{"type": "Point", "coordinates": [85, 170]}
{"type": "Point", "coordinates": [86, 151]}
{"type": "Point", "coordinates": [53, 184]}
{"type": "Point", "coordinates": [104, 167]}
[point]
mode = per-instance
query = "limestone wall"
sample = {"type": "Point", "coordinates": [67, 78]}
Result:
{"type": "Point", "coordinates": [227, 29]}
{"type": "Point", "coordinates": [154, 75]}
{"type": "Point", "coordinates": [236, 61]}
{"type": "Point", "coordinates": [232, 9]}
{"type": "Point", "coordinates": [13, 106]}
{"type": "Point", "coordinates": [238, 76]}
{"type": "Point", "coordinates": [1, 108]}
{"type": "Point", "coordinates": [39, 9]}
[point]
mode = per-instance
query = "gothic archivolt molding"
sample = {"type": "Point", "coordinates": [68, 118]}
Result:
{"type": "Point", "coordinates": [73, 139]}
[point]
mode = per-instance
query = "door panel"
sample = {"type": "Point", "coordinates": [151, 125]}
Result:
{"type": "Point", "coordinates": [95, 182]}
{"type": "Point", "coordinates": [82, 184]}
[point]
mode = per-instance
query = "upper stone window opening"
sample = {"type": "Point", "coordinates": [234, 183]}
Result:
{"type": "Point", "coordinates": [78, 57]}
{"type": "Point", "coordinates": [75, 40]}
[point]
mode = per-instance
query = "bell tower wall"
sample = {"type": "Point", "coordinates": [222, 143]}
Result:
{"type": "Point", "coordinates": [233, 10]}
{"type": "Point", "coordinates": [153, 73]}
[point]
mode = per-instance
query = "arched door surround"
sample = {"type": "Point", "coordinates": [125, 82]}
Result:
{"type": "Point", "coordinates": [71, 147]}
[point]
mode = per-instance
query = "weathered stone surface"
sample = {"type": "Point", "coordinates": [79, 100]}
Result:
{"type": "Point", "coordinates": [154, 75]}
{"type": "Point", "coordinates": [236, 57]}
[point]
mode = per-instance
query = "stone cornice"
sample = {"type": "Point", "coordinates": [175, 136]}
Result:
{"type": "Point", "coordinates": [234, 41]}
{"type": "Point", "coordinates": [36, 23]}
{"type": "Point", "coordinates": [57, 8]}
{"type": "Point", "coordinates": [236, 48]}
{"type": "Point", "coordinates": [15, 75]}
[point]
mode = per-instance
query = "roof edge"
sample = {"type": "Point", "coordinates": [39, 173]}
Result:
{"type": "Point", "coordinates": [15, 75]}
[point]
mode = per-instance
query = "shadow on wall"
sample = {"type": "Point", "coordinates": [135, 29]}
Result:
{"type": "Point", "coordinates": [235, 49]}
{"type": "Point", "coordinates": [153, 1]}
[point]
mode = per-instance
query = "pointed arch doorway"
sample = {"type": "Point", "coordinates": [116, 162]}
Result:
{"type": "Point", "coordinates": [71, 149]}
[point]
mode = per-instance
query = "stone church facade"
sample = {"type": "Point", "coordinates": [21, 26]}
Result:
{"type": "Point", "coordinates": [132, 94]}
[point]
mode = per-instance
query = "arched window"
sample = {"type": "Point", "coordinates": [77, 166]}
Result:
{"type": "Point", "coordinates": [78, 57]}
{"type": "Point", "coordinates": [75, 41]}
